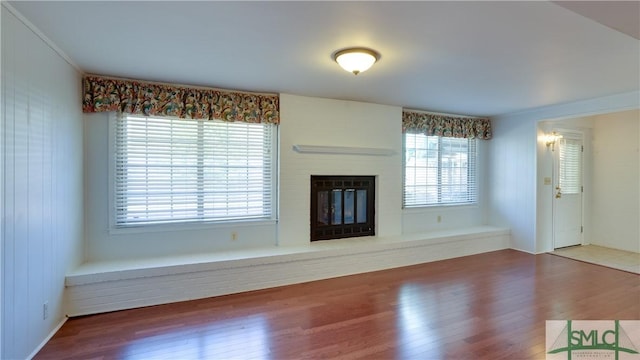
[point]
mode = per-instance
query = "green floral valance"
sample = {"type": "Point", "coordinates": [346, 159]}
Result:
{"type": "Point", "coordinates": [449, 126]}
{"type": "Point", "coordinates": [151, 99]}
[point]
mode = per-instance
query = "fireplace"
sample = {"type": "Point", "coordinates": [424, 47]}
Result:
{"type": "Point", "coordinates": [342, 206]}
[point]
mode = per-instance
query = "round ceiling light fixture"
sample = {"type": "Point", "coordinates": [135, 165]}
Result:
{"type": "Point", "coordinates": [356, 60]}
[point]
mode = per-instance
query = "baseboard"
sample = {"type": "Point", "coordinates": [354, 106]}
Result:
{"type": "Point", "coordinates": [46, 340]}
{"type": "Point", "coordinates": [527, 251]}
{"type": "Point", "coordinates": [172, 284]}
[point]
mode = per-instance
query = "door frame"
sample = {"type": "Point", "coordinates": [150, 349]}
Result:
{"type": "Point", "coordinates": [573, 134]}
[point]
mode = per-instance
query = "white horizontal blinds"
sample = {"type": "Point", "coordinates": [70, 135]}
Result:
{"type": "Point", "coordinates": [457, 171]}
{"type": "Point", "coordinates": [177, 170]}
{"type": "Point", "coordinates": [421, 170]}
{"type": "Point", "coordinates": [439, 171]}
{"type": "Point", "coordinates": [570, 169]}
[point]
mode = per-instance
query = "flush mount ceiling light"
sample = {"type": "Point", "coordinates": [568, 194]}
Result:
{"type": "Point", "coordinates": [356, 60]}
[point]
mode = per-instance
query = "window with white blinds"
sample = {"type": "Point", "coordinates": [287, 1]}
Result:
{"type": "Point", "coordinates": [179, 170]}
{"type": "Point", "coordinates": [570, 166]}
{"type": "Point", "coordinates": [439, 171]}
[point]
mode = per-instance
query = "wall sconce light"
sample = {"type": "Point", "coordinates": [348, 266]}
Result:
{"type": "Point", "coordinates": [550, 140]}
{"type": "Point", "coordinates": [356, 60]}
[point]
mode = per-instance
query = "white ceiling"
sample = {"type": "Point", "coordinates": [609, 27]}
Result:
{"type": "Point", "coordinates": [623, 16]}
{"type": "Point", "coordinates": [474, 58]}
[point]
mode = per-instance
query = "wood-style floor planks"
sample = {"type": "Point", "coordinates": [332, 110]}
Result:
{"type": "Point", "coordinates": [487, 306]}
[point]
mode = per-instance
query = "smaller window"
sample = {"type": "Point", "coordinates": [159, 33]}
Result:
{"type": "Point", "coordinates": [570, 171]}
{"type": "Point", "coordinates": [439, 171]}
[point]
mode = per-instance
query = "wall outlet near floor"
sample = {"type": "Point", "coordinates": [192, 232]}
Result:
{"type": "Point", "coordinates": [45, 310]}
{"type": "Point", "coordinates": [439, 218]}
{"type": "Point", "coordinates": [234, 236]}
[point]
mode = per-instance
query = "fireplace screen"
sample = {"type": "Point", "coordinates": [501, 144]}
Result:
{"type": "Point", "coordinates": [342, 206]}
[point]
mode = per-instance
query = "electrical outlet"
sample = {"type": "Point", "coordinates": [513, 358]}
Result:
{"type": "Point", "coordinates": [45, 310]}
{"type": "Point", "coordinates": [439, 218]}
{"type": "Point", "coordinates": [234, 236]}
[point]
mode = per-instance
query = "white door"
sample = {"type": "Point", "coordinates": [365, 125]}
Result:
{"type": "Point", "coordinates": [567, 195]}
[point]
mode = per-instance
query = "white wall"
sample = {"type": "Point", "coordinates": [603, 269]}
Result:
{"type": "Point", "coordinates": [305, 121]}
{"type": "Point", "coordinates": [42, 185]}
{"type": "Point", "coordinates": [102, 244]}
{"type": "Point", "coordinates": [616, 175]}
{"type": "Point", "coordinates": [419, 220]}
{"type": "Point", "coordinates": [611, 195]}
{"type": "Point", "coordinates": [314, 121]}
{"type": "Point", "coordinates": [513, 173]}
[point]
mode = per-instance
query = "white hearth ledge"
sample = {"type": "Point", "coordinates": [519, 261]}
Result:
{"type": "Point", "coordinates": [116, 285]}
{"type": "Point", "coordinates": [342, 150]}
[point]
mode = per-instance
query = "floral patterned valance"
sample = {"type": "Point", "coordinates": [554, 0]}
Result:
{"type": "Point", "coordinates": [449, 126]}
{"type": "Point", "coordinates": [151, 99]}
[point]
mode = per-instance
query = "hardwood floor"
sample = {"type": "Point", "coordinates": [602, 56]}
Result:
{"type": "Point", "coordinates": [487, 306]}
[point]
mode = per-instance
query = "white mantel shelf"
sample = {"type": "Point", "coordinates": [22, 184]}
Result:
{"type": "Point", "coordinates": [342, 150]}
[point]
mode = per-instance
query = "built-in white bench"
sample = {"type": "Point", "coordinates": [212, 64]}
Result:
{"type": "Point", "coordinates": [115, 285]}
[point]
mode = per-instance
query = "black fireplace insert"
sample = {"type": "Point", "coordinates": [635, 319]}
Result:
{"type": "Point", "coordinates": [342, 206]}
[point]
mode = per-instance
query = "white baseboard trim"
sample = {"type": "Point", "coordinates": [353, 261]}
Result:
{"type": "Point", "coordinates": [118, 289]}
{"type": "Point", "coordinates": [527, 251]}
{"type": "Point", "coordinates": [46, 340]}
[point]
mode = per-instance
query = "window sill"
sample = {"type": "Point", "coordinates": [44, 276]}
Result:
{"type": "Point", "coordinates": [188, 226]}
{"type": "Point", "coordinates": [428, 208]}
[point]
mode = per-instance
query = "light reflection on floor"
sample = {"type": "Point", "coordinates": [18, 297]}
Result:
{"type": "Point", "coordinates": [416, 338]}
{"type": "Point", "coordinates": [244, 338]}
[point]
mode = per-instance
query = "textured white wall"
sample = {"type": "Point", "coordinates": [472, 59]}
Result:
{"type": "Point", "coordinates": [616, 175]}
{"type": "Point", "coordinates": [42, 187]}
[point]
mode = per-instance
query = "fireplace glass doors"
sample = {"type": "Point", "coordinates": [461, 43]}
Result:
{"type": "Point", "coordinates": [342, 206]}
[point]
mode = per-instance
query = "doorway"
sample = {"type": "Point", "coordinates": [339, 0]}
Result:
{"type": "Point", "coordinates": [568, 189]}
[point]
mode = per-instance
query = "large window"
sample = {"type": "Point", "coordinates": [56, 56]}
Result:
{"type": "Point", "coordinates": [180, 170]}
{"type": "Point", "coordinates": [439, 171]}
